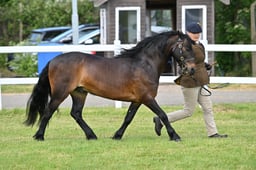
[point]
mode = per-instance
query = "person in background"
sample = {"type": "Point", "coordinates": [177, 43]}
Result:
{"type": "Point", "coordinates": [192, 86]}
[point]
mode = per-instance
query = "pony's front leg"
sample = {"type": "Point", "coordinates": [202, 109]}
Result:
{"type": "Point", "coordinates": [152, 104]}
{"type": "Point", "coordinates": [128, 118]}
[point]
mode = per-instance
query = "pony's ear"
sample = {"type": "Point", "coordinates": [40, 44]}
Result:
{"type": "Point", "coordinates": [180, 32]}
{"type": "Point", "coordinates": [181, 35]}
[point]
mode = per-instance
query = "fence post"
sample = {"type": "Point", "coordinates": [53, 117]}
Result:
{"type": "Point", "coordinates": [117, 51]}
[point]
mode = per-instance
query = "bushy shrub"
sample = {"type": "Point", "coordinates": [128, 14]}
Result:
{"type": "Point", "coordinates": [24, 64]}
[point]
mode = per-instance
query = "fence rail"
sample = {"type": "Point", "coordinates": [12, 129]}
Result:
{"type": "Point", "coordinates": [117, 47]}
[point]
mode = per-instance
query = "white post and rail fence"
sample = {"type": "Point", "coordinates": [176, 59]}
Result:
{"type": "Point", "coordinates": [115, 48]}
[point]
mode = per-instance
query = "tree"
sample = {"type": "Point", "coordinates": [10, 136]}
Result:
{"type": "Point", "coordinates": [233, 27]}
{"type": "Point", "coordinates": [18, 18]}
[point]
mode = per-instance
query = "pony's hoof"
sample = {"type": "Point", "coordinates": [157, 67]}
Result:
{"type": "Point", "coordinates": [117, 137]}
{"type": "Point", "coordinates": [177, 140]}
{"type": "Point", "coordinates": [92, 138]}
{"type": "Point", "coordinates": [38, 137]}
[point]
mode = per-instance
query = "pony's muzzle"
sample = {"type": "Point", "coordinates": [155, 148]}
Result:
{"type": "Point", "coordinates": [190, 63]}
{"type": "Point", "coordinates": [190, 66]}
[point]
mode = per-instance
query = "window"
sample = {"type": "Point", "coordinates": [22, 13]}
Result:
{"type": "Point", "coordinates": [195, 13]}
{"type": "Point", "coordinates": [128, 25]}
{"type": "Point", "coordinates": [161, 20]}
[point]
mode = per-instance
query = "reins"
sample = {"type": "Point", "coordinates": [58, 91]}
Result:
{"type": "Point", "coordinates": [204, 87]}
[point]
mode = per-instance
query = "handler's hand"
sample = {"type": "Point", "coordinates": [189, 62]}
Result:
{"type": "Point", "coordinates": [208, 66]}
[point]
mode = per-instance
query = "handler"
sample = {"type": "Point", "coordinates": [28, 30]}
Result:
{"type": "Point", "coordinates": [192, 86]}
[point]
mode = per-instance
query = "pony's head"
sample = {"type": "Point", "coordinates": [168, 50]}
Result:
{"type": "Point", "coordinates": [183, 53]}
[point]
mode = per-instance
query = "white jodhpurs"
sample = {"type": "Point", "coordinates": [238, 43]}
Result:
{"type": "Point", "coordinates": [192, 96]}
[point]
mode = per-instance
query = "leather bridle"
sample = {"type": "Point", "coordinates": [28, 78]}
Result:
{"type": "Point", "coordinates": [180, 59]}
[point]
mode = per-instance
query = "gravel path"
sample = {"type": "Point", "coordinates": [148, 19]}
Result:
{"type": "Point", "coordinates": [167, 95]}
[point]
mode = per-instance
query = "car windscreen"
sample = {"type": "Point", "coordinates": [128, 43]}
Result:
{"type": "Point", "coordinates": [86, 31]}
{"type": "Point", "coordinates": [51, 34]}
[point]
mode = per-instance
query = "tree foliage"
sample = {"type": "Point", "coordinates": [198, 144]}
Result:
{"type": "Point", "coordinates": [18, 18]}
{"type": "Point", "coordinates": [233, 27]}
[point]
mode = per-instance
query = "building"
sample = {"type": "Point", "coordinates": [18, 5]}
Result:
{"type": "Point", "coordinates": [132, 20]}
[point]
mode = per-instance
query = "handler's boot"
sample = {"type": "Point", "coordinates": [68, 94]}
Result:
{"type": "Point", "coordinates": [216, 135]}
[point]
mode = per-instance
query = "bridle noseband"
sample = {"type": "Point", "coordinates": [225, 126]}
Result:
{"type": "Point", "coordinates": [180, 59]}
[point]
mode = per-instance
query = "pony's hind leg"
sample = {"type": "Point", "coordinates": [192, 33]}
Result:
{"type": "Point", "coordinates": [128, 118]}
{"type": "Point", "coordinates": [48, 112]}
{"type": "Point", "coordinates": [78, 97]}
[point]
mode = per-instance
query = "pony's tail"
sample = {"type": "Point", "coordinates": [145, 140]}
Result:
{"type": "Point", "coordinates": [38, 99]}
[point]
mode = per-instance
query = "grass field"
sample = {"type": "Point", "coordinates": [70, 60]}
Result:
{"type": "Point", "coordinates": [65, 146]}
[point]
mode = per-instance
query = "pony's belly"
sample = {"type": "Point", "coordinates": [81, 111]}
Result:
{"type": "Point", "coordinates": [115, 95]}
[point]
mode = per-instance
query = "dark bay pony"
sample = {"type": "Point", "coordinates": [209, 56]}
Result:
{"type": "Point", "coordinates": [131, 76]}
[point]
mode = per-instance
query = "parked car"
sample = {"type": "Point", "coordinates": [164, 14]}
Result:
{"type": "Point", "coordinates": [46, 34]}
{"type": "Point", "coordinates": [91, 38]}
{"type": "Point", "coordinates": [68, 35]}
{"type": "Point", "coordinates": [38, 36]}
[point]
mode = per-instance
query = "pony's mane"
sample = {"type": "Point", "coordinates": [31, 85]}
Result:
{"type": "Point", "coordinates": [156, 41]}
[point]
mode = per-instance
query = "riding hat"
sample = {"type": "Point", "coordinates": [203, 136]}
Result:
{"type": "Point", "coordinates": [194, 28]}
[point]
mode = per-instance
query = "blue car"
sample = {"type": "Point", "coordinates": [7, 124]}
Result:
{"type": "Point", "coordinates": [46, 34]}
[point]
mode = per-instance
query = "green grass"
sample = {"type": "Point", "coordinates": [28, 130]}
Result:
{"type": "Point", "coordinates": [65, 146]}
{"type": "Point", "coordinates": [17, 88]}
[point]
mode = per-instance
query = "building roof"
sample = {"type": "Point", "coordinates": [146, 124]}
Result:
{"type": "Point", "coordinates": [227, 2]}
{"type": "Point", "coordinates": [98, 3]}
